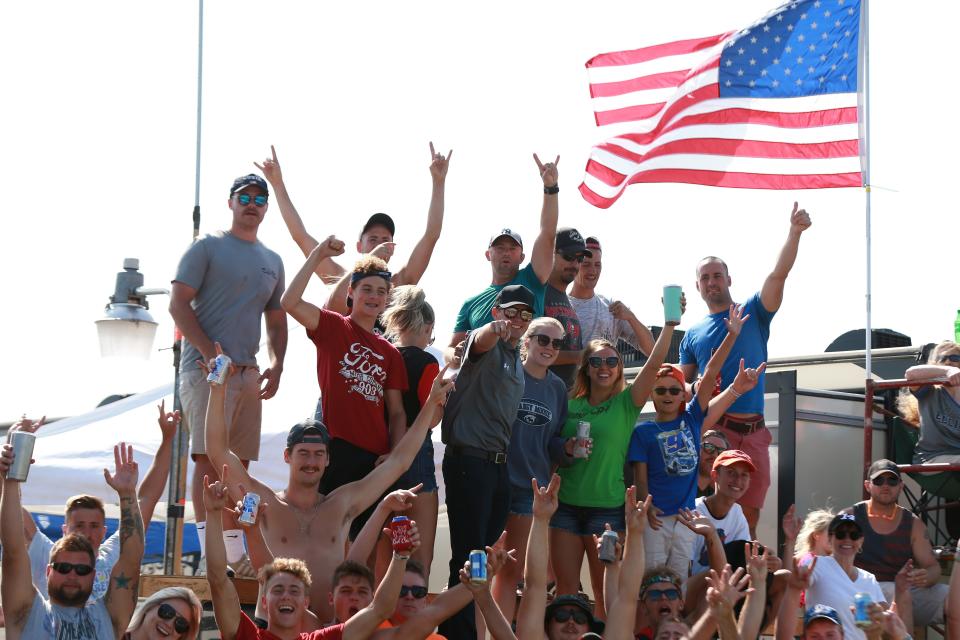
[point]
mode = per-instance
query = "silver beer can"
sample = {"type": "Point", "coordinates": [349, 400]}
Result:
{"type": "Point", "coordinates": [580, 449]}
{"type": "Point", "coordinates": [221, 366]}
{"type": "Point", "coordinates": [248, 512]}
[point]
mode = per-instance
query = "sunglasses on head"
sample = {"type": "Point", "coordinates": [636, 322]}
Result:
{"type": "Point", "coordinates": [610, 361]}
{"type": "Point", "coordinates": [511, 313]}
{"type": "Point", "coordinates": [166, 612]}
{"type": "Point", "coordinates": [562, 615]}
{"type": "Point", "coordinates": [67, 567]}
{"type": "Point", "coordinates": [659, 594]}
{"type": "Point", "coordinates": [953, 357]}
{"type": "Point", "coordinates": [712, 448]}
{"type": "Point", "coordinates": [890, 481]}
{"type": "Point", "coordinates": [843, 534]}
{"type": "Point", "coordinates": [244, 198]}
{"type": "Point", "coordinates": [416, 591]}
{"type": "Point", "coordinates": [544, 340]}
{"type": "Point", "coordinates": [662, 391]}
{"type": "Point", "coordinates": [572, 257]}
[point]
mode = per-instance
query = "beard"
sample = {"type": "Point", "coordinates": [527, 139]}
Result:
{"type": "Point", "coordinates": [77, 599]}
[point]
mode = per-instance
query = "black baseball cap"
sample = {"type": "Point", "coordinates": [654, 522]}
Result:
{"type": "Point", "coordinates": [841, 519]}
{"type": "Point", "coordinates": [251, 179]}
{"type": "Point", "coordinates": [821, 612]}
{"type": "Point", "coordinates": [569, 240]}
{"type": "Point", "coordinates": [309, 431]}
{"type": "Point", "coordinates": [881, 467]}
{"type": "Point", "coordinates": [570, 600]}
{"type": "Point", "coordinates": [506, 233]}
{"type": "Point", "coordinates": [514, 295]}
{"type": "Point", "coordinates": [380, 220]}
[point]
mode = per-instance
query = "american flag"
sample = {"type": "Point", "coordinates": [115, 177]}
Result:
{"type": "Point", "coordinates": [773, 106]}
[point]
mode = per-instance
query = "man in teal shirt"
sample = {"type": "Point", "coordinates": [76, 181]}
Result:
{"type": "Point", "coordinates": [505, 254]}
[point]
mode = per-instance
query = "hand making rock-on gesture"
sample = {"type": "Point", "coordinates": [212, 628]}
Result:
{"type": "Point", "coordinates": [548, 171]}
{"type": "Point", "coordinates": [439, 164]}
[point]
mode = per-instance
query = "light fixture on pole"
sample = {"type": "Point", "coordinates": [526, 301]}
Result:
{"type": "Point", "coordinates": [127, 328]}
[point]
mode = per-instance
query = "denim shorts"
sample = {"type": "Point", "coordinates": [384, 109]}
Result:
{"type": "Point", "coordinates": [422, 469]}
{"type": "Point", "coordinates": [521, 501]}
{"type": "Point", "coordinates": [583, 521]}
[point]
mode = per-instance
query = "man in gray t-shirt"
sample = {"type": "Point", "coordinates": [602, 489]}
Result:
{"type": "Point", "coordinates": [225, 281]}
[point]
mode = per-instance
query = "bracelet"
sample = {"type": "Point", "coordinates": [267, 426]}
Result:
{"type": "Point", "coordinates": [550, 191]}
{"type": "Point", "coordinates": [400, 557]}
{"type": "Point", "coordinates": [736, 394]}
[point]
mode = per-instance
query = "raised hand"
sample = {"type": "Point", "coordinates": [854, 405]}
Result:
{"type": "Point", "coordinates": [747, 379]}
{"type": "Point", "coordinates": [27, 424]}
{"type": "Point", "coordinates": [636, 512]}
{"type": "Point", "coordinates": [6, 459]}
{"type": "Point", "coordinates": [401, 499]}
{"type": "Point", "coordinates": [501, 328]}
{"type": "Point", "coordinates": [545, 500]}
{"type": "Point", "coordinates": [548, 171]}
{"type": "Point", "coordinates": [758, 564]}
{"type": "Point", "coordinates": [384, 250]}
{"type": "Point", "coordinates": [440, 389]}
{"type": "Point", "coordinates": [799, 576]}
{"type": "Point", "coordinates": [439, 164]}
{"type": "Point", "coordinates": [124, 478]}
{"type": "Point", "coordinates": [731, 586]}
{"type": "Point", "coordinates": [736, 319]}
{"type": "Point", "coordinates": [697, 522]}
{"type": "Point", "coordinates": [271, 168]}
{"type": "Point", "coordinates": [617, 546]}
{"type": "Point", "coordinates": [329, 248]}
{"type": "Point", "coordinates": [799, 219]}
{"type": "Point", "coordinates": [215, 495]}
{"type": "Point", "coordinates": [498, 556]}
{"type": "Point", "coordinates": [620, 311]}
{"type": "Point", "coordinates": [208, 364]}
{"type": "Point", "coordinates": [168, 421]}
{"type": "Point", "coordinates": [791, 523]}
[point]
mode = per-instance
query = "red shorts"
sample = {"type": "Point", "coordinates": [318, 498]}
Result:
{"type": "Point", "coordinates": [757, 446]}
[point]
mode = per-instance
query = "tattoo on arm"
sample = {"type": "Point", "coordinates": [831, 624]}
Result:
{"type": "Point", "coordinates": [130, 521]}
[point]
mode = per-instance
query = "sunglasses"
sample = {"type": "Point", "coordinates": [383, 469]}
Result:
{"type": "Point", "coordinates": [712, 448]}
{"type": "Point", "coordinates": [417, 592]}
{"type": "Point", "coordinates": [596, 361]}
{"type": "Point", "coordinates": [662, 391]}
{"type": "Point", "coordinates": [843, 534]}
{"type": "Point", "coordinates": [954, 358]}
{"type": "Point", "coordinates": [244, 199]}
{"type": "Point", "coordinates": [510, 313]}
{"type": "Point", "coordinates": [562, 615]}
{"type": "Point", "coordinates": [659, 594]}
{"type": "Point", "coordinates": [67, 567]}
{"type": "Point", "coordinates": [544, 340]}
{"type": "Point", "coordinates": [572, 257]}
{"type": "Point", "coordinates": [890, 481]}
{"type": "Point", "coordinates": [166, 612]}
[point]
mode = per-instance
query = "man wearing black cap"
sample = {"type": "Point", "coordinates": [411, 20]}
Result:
{"type": "Point", "coordinates": [892, 535]}
{"type": "Point", "coordinates": [570, 252]}
{"type": "Point", "coordinates": [505, 254]}
{"type": "Point", "coordinates": [476, 429]}
{"type": "Point", "coordinates": [224, 282]}
{"type": "Point", "coordinates": [377, 234]}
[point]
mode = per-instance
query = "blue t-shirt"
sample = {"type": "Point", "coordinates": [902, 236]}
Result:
{"type": "Point", "coordinates": [475, 312]}
{"type": "Point", "coordinates": [701, 340]}
{"type": "Point", "coordinates": [672, 453]}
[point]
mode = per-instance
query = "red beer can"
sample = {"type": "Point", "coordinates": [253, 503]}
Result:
{"type": "Point", "coordinates": [400, 528]}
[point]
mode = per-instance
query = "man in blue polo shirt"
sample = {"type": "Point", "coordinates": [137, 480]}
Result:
{"type": "Point", "coordinates": [505, 254]}
{"type": "Point", "coordinates": [743, 423]}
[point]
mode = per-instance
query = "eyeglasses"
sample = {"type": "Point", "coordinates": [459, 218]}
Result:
{"type": "Point", "coordinates": [890, 481]}
{"type": "Point", "coordinates": [562, 615]}
{"type": "Point", "coordinates": [572, 257]}
{"type": "Point", "coordinates": [843, 534]}
{"type": "Point", "coordinates": [596, 361]}
{"type": "Point", "coordinates": [166, 612]}
{"type": "Point", "coordinates": [953, 357]}
{"type": "Point", "coordinates": [544, 340]}
{"type": "Point", "coordinates": [416, 591]}
{"type": "Point", "coordinates": [662, 391]}
{"type": "Point", "coordinates": [712, 448]}
{"type": "Point", "coordinates": [244, 199]}
{"type": "Point", "coordinates": [67, 567]}
{"type": "Point", "coordinates": [510, 313]}
{"type": "Point", "coordinates": [659, 594]}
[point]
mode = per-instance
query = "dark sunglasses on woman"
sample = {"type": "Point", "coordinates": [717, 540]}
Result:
{"type": "Point", "coordinates": [166, 612]}
{"type": "Point", "coordinates": [843, 534]}
{"type": "Point", "coordinates": [544, 340]}
{"type": "Point", "coordinates": [610, 361]}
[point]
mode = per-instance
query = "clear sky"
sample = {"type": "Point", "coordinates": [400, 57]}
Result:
{"type": "Point", "coordinates": [98, 139]}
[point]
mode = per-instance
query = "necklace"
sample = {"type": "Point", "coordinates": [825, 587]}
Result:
{"type": "Point", "coordinates": [304, 516]}
{"type": "Point", "coordinates": [874, 514]}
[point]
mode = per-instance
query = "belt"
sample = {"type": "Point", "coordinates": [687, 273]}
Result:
{"type": "Point", "coordinates": [744, 427]}
{"type": "Point", "coordinates": [496, 457]}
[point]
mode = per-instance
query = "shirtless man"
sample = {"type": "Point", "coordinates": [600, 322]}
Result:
{"type": "Point", "coordinates": [299, 522]}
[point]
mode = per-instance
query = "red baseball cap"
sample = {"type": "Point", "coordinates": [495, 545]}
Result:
{"type": "Point", "coordinates": [732, 457]}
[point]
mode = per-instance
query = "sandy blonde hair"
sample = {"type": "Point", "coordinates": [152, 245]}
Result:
{"type": "Point", "coordinates": [533, 327]}
{"type": "Point", "coordinates": [816, 522]}
{"type": "Point", "coordinates": [407, 310]}
{"type": "Point", "coordinates": [170, 593]}
{"type": "Point", "coordinates": [906, 401]}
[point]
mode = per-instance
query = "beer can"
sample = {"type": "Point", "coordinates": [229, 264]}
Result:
{"type": "Point", "coordinates": [580, 449]}
{"type": "Point", "coordinates": [22, 443]}
{"type": "Point", "coordinates": [221, 366]}
{"type": "Point", "coordinates": [608, 546]}
{"type": "Point", "coordinates": [248, 513]}
{"type": "Point", "coordinates": [400, 534]}
{"type": "Point", "coordinates": [478, 566]}
{"type": "Point", "coordinates": [861, 617]}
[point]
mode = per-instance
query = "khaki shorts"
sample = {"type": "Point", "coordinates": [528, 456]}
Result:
{"type": "Point", "coordinates": [242, 411]}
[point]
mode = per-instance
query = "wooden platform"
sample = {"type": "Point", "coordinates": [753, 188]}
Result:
{"type": "Point", "coordinates": [151, 583]}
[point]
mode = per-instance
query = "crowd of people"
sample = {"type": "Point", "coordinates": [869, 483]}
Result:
{"type": "Point", "coordinates": [545, 460]}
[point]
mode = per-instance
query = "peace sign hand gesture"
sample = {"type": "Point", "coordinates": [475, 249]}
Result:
{"type": "Point", "coordinates": [548, 171]}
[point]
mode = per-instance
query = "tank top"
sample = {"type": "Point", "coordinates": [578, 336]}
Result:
{"type": "Point", "coordinates": [883, 555]}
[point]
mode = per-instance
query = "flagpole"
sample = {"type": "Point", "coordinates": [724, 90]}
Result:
{"type": "Point", "coordinates": [865, 141]}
